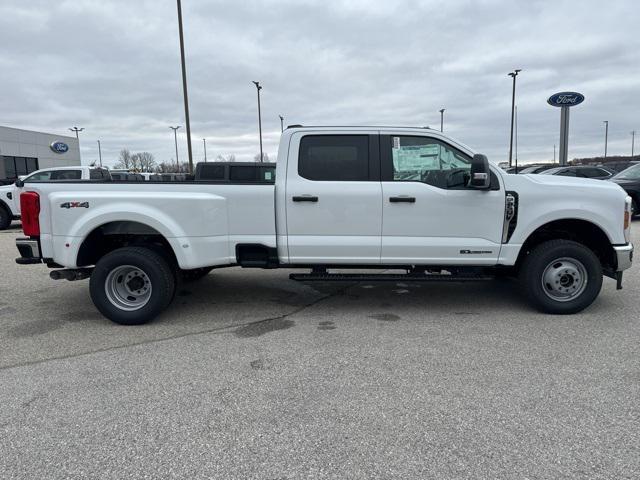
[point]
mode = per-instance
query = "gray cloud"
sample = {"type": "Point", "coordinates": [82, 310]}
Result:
{"type": "Point", "coordinates": [113, 68]}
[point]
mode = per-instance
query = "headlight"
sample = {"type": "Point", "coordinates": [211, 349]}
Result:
{"type": "Point", "coordinates": [627, 219]}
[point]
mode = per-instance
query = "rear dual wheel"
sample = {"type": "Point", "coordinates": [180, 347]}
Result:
{"type": "Point", "coordinates": [5, 218]}
{"type": "Point", "coordinates": [132, 285]}
{"type": "Point", "coordinates": [561, 277]}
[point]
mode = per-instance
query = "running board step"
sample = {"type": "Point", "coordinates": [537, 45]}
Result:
{"type": "Point", "coordinates": [385, 277]}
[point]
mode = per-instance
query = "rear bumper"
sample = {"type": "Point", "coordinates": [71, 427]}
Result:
{"type": "Point", "coordinates": [624, 256]}
{"type": "Point", "coordinates": [29, 249]}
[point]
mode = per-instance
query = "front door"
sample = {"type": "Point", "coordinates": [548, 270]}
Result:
{"type": "Point", "coordinates": [334, 198]}
{"type": "Point", "coordinates": [429, 215]}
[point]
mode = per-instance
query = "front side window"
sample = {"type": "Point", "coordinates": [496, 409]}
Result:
{"type": "Point", "coordinates": [38, 177]}
{"type": "Point", "coordinates": [422, 159]}
{"type": "Point", "coordinates": [334, 157]}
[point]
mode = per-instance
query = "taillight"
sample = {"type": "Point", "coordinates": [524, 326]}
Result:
{"type": "Point", "coordinates": [29, 213]}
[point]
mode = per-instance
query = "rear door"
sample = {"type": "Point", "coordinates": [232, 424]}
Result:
{"type": "Point", "coordinates": [430, 217]}
{"type": "Point", "coordinates": [334, 198]}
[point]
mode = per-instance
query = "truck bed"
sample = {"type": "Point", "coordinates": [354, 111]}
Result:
{"type": "Point", "coordinates": [202, 221]}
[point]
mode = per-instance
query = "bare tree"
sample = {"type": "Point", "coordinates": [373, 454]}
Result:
{"type": "Point", "coordinates": [171, 167]}
{"type": "Point", "coordinates": [166, 167]}
{"type": "Point", "coordinates": [226, 158]}
{"type": "Point", "coordinates": [146, 162]}
{"type": "Point", "coordinates": [124, 160]}
{"type": "Point", "coordinates": [265, 157]}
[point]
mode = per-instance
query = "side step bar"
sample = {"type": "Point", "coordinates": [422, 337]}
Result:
{"type": "Point", "coordinates": [387, 277]}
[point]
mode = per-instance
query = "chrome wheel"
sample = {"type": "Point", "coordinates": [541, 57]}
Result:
{"type": "Point", "coordinates": [564, 279]}
{"type": "Point", "coordinates": [128, 288]}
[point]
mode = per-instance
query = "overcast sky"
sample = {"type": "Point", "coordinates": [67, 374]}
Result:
{"type": "Point", "coordinates": [113, 67]}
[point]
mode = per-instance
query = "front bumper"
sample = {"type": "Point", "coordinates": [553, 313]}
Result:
{"type": "Point", "coordinates": [29, 249]}
{"type": "Point", "coordinates": [624, 256]}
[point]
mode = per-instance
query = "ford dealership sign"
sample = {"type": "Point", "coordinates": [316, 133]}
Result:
{"type": "Point", "coordinates": [59, 147]}
{"type": "Point", "coordinates": [566, 99]}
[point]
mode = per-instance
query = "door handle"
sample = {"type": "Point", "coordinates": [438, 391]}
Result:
{"type": "Point", "coordinates": [304, 198]}
{"type": "Point", "coordinates": [402, 199]}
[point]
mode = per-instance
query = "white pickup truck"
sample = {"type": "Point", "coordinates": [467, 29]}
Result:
{"type": "Point", "coordinates": [9, 194]}
{"type": "Point", "coordinates": [404, 204]}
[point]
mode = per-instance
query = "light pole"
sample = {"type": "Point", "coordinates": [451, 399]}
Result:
{"type": "Point", "coordinates": [99, 152]}
{"type": "Point", "coordinates": [442, 119]}
{"type": "Point", "coordinates": [516, 135]}
{"type": "Point", "coordinates": [554, 153]}
{"type": "Point", "coordinates": [204, 140]}
{"type": "Point", "coordinates": [606, 136]}
{"type": "Point", "coordinates": [513, 74]}
{"type": "Point", "coordinates": [184, 88]}
{"type": "Point", "coordinates": [77, 130]}
{"type": "Point", "coordinates": [633, 141]}
{"type": "Point", "coordinates": [175, 137]}
{"type": "Point", "coordinates": [281, 123]}
{"type": "Point", "coordinates": [258, 88]}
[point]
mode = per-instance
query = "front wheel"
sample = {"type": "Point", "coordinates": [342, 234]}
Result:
{"type": "Point", "coordinates": [561, 277]}
{"type": "Point", "coordinates": [132, 285]}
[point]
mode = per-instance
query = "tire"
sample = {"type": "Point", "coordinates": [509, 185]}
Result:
{"type": "Point", "coordinates": [195, 274]}
{"type": "Point", "coordinates": [132, 285]}
{"type": "Point", "coordinates": [5, 218]}
{"type": "Point", "coordinates": [561, 277]}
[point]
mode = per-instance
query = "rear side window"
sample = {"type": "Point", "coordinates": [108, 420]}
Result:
{"type": "Point", "coordinates": [211, 172]}
{"type": "Point", "coordinates": [242, 174]}
{"type": "Point", "coordinates": [66, 175]}
{"type": "Point", "coordinates": [334, 158]}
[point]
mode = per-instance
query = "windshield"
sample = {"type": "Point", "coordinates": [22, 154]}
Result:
{"type": "Point", "coordinates": [552, 171]}
{"type": "Point", "coordinates": [631, 173]}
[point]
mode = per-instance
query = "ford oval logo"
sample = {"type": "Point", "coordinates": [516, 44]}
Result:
{"type": "Point", "coordinates": [59, 147]}
{"type": "Point", "coordinates": [566, 99]}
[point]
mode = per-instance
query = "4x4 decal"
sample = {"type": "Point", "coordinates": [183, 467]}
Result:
{"type": "Point", "coordinates": [74, 205]}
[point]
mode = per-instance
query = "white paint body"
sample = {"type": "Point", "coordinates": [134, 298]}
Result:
{"type": "Point", "coordinates": [352, 223]}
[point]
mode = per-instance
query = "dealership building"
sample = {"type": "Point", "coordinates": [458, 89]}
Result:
{"type": "Point", "coordinates": [25, 151]}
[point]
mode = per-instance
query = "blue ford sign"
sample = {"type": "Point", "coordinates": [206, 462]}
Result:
{"type": "Point", "coordinates": [59, 147]}
{"type": "Point", "coordinates": [566, 99]}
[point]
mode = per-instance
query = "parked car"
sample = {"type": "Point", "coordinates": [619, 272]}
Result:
{"type": "Point", "coordinates": [629, 179]}
{"type": "Point", "coordinates": [9, 194]}
{"type": "Point", "coordinates": [536, 168]}
{"type": "Point", "coordinates": [581, 171]}
{"type": "Point", "coordinates": [619, 166]}
{"type": "Point", "coordinates": [344, 198]}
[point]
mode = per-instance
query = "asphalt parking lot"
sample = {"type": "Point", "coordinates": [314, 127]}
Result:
{"type": "Point", "coordinates": [251, 375]}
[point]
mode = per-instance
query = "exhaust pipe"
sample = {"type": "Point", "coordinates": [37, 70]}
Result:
{"type": "Point", "coordinates": [71, 274]}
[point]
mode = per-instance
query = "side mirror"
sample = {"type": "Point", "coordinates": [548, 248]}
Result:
{"type": "Point", "coordinates": [19, 183]}
{"type": "Point", "coordinates": [480, 173]}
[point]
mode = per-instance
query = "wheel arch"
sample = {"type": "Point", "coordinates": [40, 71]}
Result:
{"type": "Point", "coordinates": [579, 230]}
{"type": "Point", "coordinates": [112, 235]}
